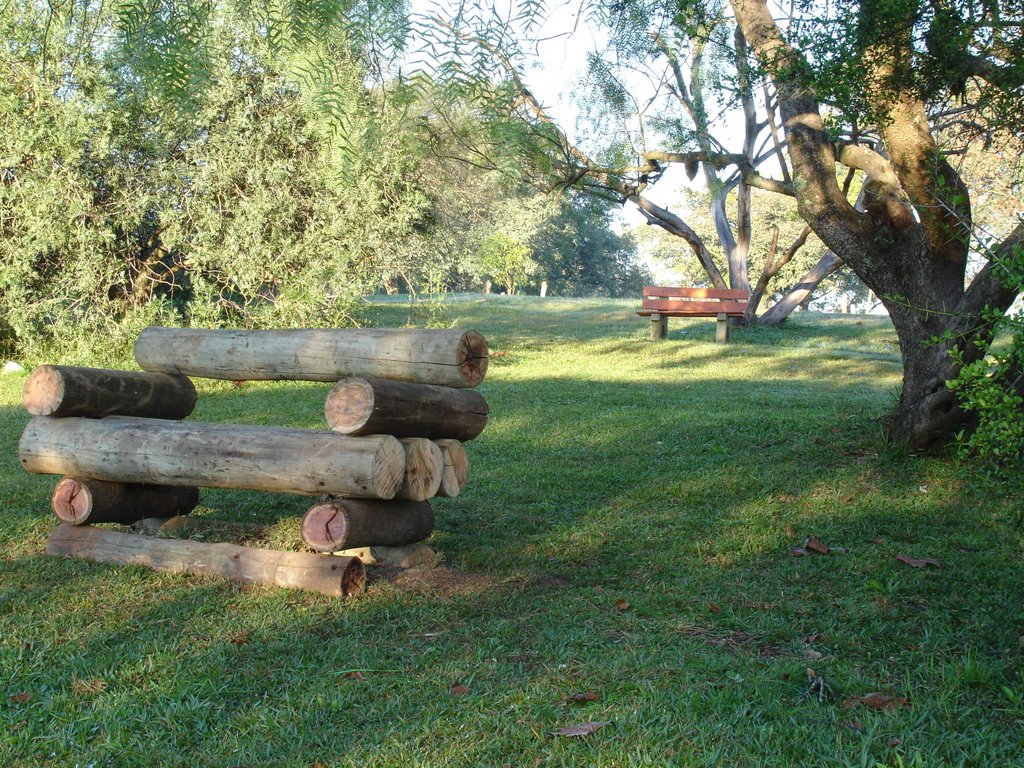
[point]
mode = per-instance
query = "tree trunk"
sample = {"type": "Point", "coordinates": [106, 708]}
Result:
{"type": "Point", "coordinates": [453, 358]}
{"type": "Point", "coordinates": [133, 450]}
{"type": "Point", "coordinates": [369, 406]}
{"type": "Point", "coordinates": [61, 390]}
{"type": "Point", "coordinates": [339, 524]}
{"type": "Point", "coordinates": [80, 502]}
{"type": "Point", "coordinates": [802, 291]}
{"type": "Point", "coordinates": [456, 468]}
{"type": "Point", "coordinates": [326, 574]}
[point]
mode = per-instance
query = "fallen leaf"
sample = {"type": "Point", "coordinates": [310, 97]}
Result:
{"type": "Point", "coordinates": [498, 353]}
{"type": "Point", "coordinates": [458, 689]}
{"type": "Point", "coordinates": [798, 552]}
{"type": "Point", "coordinates": [789, 530]}
{"type": "Point", "coordinates": [582, 698]}
{"type": "Point", "coordinates": [583, 729]}
{"type": "Point", "coordinates": [355, 674]}
{"type": "Point", "coordinates": [878, 701]}
{"type": "Point", "coordinates": [240, 639]}
{"type": "Point", "coordinates": [813, 655]}
{"type": "Point", "coordinates": [814, 544]}
{"type": "Point", "coordinates": [622, 605]}
{"type": "Point", "coordinates": [918, 562]}
{"type": "Point", "coordinates": [878, 540]}
{"type": "Point", "coordinates": [714, 608]}
{"type": "Point", "coordinates": [21, 698]}
{"type": "Point", "coordinates": [893, 742]}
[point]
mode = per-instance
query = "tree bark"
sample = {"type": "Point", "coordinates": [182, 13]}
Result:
{"type": "Point", "coordinates": [453, 358]}
{"type": "Point", "coordinates": [456, 468]}
{"type": "Point", "coordinates": [424, 467]}
{"type": "Point", "coordinates": [802, 291]}
{"type": "Point", "coordinates": [329, 575]}
{"type": "Point", "coordinates": [82, 502]}
{"type": "Point", "coordinates": [369, 406]}
{"type": "Point", "coordinates": [338, 524]}
{"type": "Point", "coordinates": [61, 390]}
{"type": "Point", "coordinates": [134, 450]}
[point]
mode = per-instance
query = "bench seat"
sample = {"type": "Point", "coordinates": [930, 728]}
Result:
{"type": "Point", "coordinates": [662, 302]}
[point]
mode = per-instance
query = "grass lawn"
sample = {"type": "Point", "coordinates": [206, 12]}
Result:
{"type": "Point", "coordinates": [621, 555]}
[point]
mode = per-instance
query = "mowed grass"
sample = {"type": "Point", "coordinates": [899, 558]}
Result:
{"type": "Point", "coordinates": [626, 533]}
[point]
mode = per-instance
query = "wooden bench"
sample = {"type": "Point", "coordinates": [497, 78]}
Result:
{"type": "Point", "coordinates": [660, 303]}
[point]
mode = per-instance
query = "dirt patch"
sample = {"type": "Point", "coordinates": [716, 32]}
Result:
{"type": "Point", "coordinates": [435, 582]}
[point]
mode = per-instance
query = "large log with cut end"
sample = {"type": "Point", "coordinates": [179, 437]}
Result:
{"type": "Point", "coordinates": [338, 524]}
{"type": "Point", "coordinates": [328, 575]}
{"type": "Point", "coordinates": [453, 358]}
{"type": "Point", "coordinates": [62, 390]}
{"type": "Point", "coordinates": [78, 501]}
{"type": "Point", "coordinates": [456, 468]}
{"type": "Point", "coordinates": [424, 467]}
{"type": "Point", "coordinates": [371, 406]}
{"type": "Point", "coordinates": [134, 450]}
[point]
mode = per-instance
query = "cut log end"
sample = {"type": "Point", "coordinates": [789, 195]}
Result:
{"type": "Point", "coordinates": [389, 468]}
{"type": "Point", "coordinates": [349, 406]}
{"type": "Point", "coordinates": [71, 501]}
{"type": "Point", "coordinates": [456, 468]}
{"type": "Point", "coordinates": [424, 466]}
{"type": "Point", "coordinates": [473, 358]}
{"type": "Point", "coordinates": [44, 391]}
{"type": "Point", "coordinates": [353, 576]}
{"type": "Point", "coordinates": [336, 524]}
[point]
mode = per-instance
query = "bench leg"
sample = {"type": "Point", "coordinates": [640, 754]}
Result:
{"type": "Point", "coordinates": [722, 331]}
{"type": "Point", "coordinates": [659, 327]}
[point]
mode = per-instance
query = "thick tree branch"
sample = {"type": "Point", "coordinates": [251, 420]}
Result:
{"type": "Point", "coordinates": [659, 216]}
{"type": "Point", "coordinates": [819, 199]}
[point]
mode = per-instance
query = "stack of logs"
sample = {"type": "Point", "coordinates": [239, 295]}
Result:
{"type": "Point", "coordinates": [399, 412]}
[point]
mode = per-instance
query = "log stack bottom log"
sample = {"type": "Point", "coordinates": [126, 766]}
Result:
{"type": "Point", "coordinates": [79, 502]}
{"type": "Point", "coordinates": [326, 574]}
{"type": "Point", "coordinates": [338, 524]}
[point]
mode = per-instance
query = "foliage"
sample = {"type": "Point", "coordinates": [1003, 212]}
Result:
{"type": "Point", "coordinates": [290, 182]}
{"type": "Point", "coordinates": [992, 388]}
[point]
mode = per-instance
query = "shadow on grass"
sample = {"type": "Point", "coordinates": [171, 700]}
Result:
{"type": "Point", "coordinates": [639, 534]}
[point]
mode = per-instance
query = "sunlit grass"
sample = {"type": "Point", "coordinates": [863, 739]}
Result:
{"type": "Point", "coordinates": [630, 513]}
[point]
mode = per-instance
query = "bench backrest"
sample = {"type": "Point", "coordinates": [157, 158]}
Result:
{"type": "Point", "coordinates": [698, 302]}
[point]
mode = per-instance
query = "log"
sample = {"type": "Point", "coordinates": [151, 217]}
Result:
{"type": "Point", "coordinates": [78, 501]}
{"type": "Point", "coordinates": [128, 449]}
{"type": "Point", "coordinates": [424, 466]}
{"type": "Point", "coordinates": [62, 390]}
{"type": "Point", "coordinates": [456, 468]}
{"type": "Point", "coordinates": [371, 406]}
{"type": "Point", "coordinates": [328, 575]}
{"type": "Point", "coordinates": [453, 358]}
{"type": "Point", "coordinates": [338, 524]}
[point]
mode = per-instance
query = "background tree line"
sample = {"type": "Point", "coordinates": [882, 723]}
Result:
{"type": "Point", "coordinates": [273, 190]}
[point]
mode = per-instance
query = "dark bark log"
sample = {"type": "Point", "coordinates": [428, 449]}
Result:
{"type": "Point", "coordinates": [327, 574]}
{"type": "Point", "coordinates": [80, 502]}
{"type": "Point", "coordinates": [456, 468]}
{"type": "Point", "coordinates": [134, 450]}
{"type": "Point", "coordinates": [338, 524]}
{"type": "Point", "coordinates": [60, 390]}
{"type": "Point", "coordinates": [369, 406]}
{"type": "Point", "coordinates": [452, 358]}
